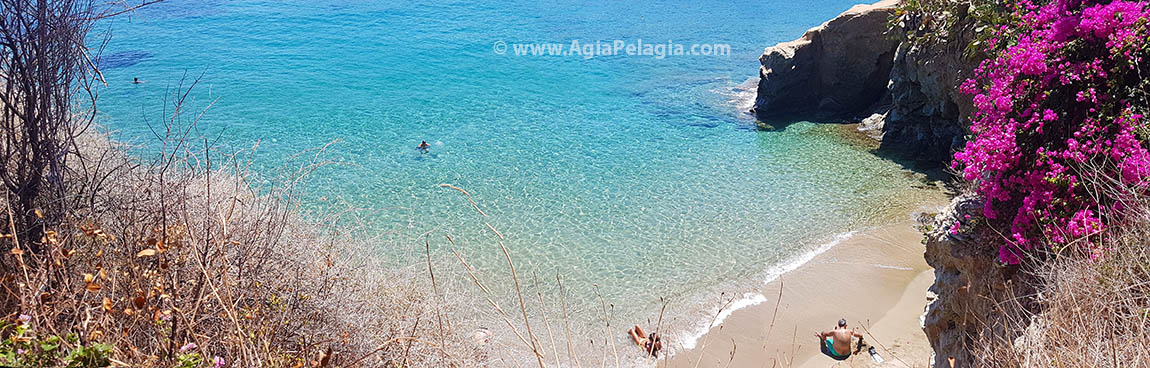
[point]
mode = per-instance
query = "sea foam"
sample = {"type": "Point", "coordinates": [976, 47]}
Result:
{"type": "Point", "coordinates": [691, 338]}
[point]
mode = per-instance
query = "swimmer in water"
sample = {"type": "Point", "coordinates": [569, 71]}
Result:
{"type": "Point", "coordinates": [424, 147]}
{"type": "Point", "coordinates": [136, 80]}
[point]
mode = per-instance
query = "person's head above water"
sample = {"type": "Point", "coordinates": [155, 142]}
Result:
{"type": "Point", "coordinates": [842, 323]}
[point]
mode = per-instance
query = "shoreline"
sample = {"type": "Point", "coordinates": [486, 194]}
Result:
{"type": "Point", "coordinates": [754, 298]}
{"type": "Point", "coordinates": [876, 279]}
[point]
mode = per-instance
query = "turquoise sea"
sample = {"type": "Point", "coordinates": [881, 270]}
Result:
{"type": "Point", "coordinates": [638, 174]}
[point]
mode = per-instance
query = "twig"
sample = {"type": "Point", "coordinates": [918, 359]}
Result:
{"type": "Point", "coordinates": [396, 341]}
{"type": "Point", "coordinates": [434, 289]}
{"type": "Point", "coordinates": [487, 294]}
{"type": "Point", "coordinates": [883, 347]}
{"type": "Point", "coordinates": [407, 350]}
{"type": "Point", "coordinates": [658, 326]}
{"type": "Point", "coordinates": [607, 328]}
{"type": "Point", "coordinates": [734, 346]}
{"type": "Point", "coordinates": [566, 322]}
{"type": "Point", "coordinates": [522, 305]}
{"type": "Point", "coordinates": [774, 314]}
{"type": "Point", "coordinates": [703, 347]}
{"type": "Point", "coordinates": [473, 204]}
{"type": "Point", "coordinates": [543, 309]}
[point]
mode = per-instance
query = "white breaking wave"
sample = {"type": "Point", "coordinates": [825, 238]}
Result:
{"type": "Point", "coordinates": [751, 299]}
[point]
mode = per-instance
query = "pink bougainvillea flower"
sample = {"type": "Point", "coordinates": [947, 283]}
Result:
{"type": "Point", "coordinates": [1047, 116]}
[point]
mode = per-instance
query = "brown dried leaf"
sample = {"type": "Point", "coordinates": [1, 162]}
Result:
{"type": "Point", "coordinates": [324, 358]}
{"type": "Point", "coordinates": [139, 302]}
{"type": "Point", "coordinates": [108, 305]}
{"type": "Point", "coordinates": [103, 274]}
{"type": "Point", "coordinates": [88, 278]}
{"type": "Point", "coordinates": [16, 251]}
{"type": "Point", "coordinates": [146, 253]}
{"type": "Point", "coordinates": [38, 213]}
{"type": "Point", "coordinates": [93, 287]}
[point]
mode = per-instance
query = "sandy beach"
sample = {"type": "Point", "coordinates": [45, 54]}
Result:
{"type": "Point", "coordinates": [877, 280]}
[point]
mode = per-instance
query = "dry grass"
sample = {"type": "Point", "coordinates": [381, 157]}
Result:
{"type": "Point", "coordinates": [1085, 314]}
{"type": "Point", "coordinates": [1091, 301]}
{"type": "Point", "coordinates": [184, 248]}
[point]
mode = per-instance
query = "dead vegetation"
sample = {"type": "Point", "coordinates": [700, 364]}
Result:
{"type": "Point", "coordinates": [1088, 304]}
{"type": "Point", "coordinates": [179, 257]}
{"type": "Point", "coordinates": [182, 258]}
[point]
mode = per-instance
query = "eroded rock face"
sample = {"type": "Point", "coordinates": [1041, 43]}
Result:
{"type": "Point", "coordinates": [854, 69]}
{"type": "Point", "coordinates": [837, 70]}
{"type": "Point", "coordinates": [928, 115]}
{"type": "Point", "coordinates": [968, 278]}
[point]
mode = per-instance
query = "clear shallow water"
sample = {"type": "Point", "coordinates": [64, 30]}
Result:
{"type": "Point", "coordinates": [637, 174]}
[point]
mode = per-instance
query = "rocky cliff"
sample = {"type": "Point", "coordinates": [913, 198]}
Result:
{"type": "Point", "coordinates": [854, 69]}
{"type": "Point", "coordinates": [905, 94]}
{"type": "Point", "coordinates": [927, 115]}
{"type": "Point", "coordinates": [835, 71]}
{"type": "Point", "coordinates": [965, 275]}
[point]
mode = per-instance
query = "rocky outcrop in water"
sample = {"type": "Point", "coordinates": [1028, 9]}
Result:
{"type": "Point", "coordinates": [853, 69]}
{"type": "Point", "coordinates": [837, 70]}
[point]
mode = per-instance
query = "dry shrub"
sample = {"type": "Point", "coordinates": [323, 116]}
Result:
{"type": "Point", "coordinates": [185, 258]}
{"type": "Point", "coordinates": [1091, 305]}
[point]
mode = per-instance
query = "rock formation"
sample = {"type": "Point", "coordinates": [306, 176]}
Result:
{"type": "Point", "coordinates": [960, 269]}
{"type": "Point", "coordinates": [837, 70]}
{"type": "Point", "coordinates": [969, 283]}
{"type": "Point", "coordinates": [927, 115]}
{"type": "Point", "coordinates": [854, 69]}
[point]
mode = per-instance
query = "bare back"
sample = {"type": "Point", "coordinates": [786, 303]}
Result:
{"type": "Point", "coordinates": [842, 340]}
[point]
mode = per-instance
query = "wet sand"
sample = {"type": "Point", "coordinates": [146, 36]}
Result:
{"type": "Point", "coordinates": [877, 280]}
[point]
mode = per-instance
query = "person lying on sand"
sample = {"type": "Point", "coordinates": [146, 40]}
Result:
{"type": "Point", "coordinates": [651, 343]}
{"type": "Point", "coordinates": [837, 343]}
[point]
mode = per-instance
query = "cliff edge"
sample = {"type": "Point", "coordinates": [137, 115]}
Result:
{"type": "Point", "coordinates": [968, 280]}
{"type": "Point", "coordinates": [855, 68]}
{"type": "Point", "coordinates": [835, 71]}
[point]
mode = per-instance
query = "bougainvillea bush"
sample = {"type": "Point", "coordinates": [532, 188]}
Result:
{"type": "Point", "coordinates": [1060, 103]}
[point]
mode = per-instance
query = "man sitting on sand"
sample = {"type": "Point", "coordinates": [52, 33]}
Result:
{"type": "Point", "coordinates": [837, 343]}
{"type": "Point", "coordinates": [650, 344]}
